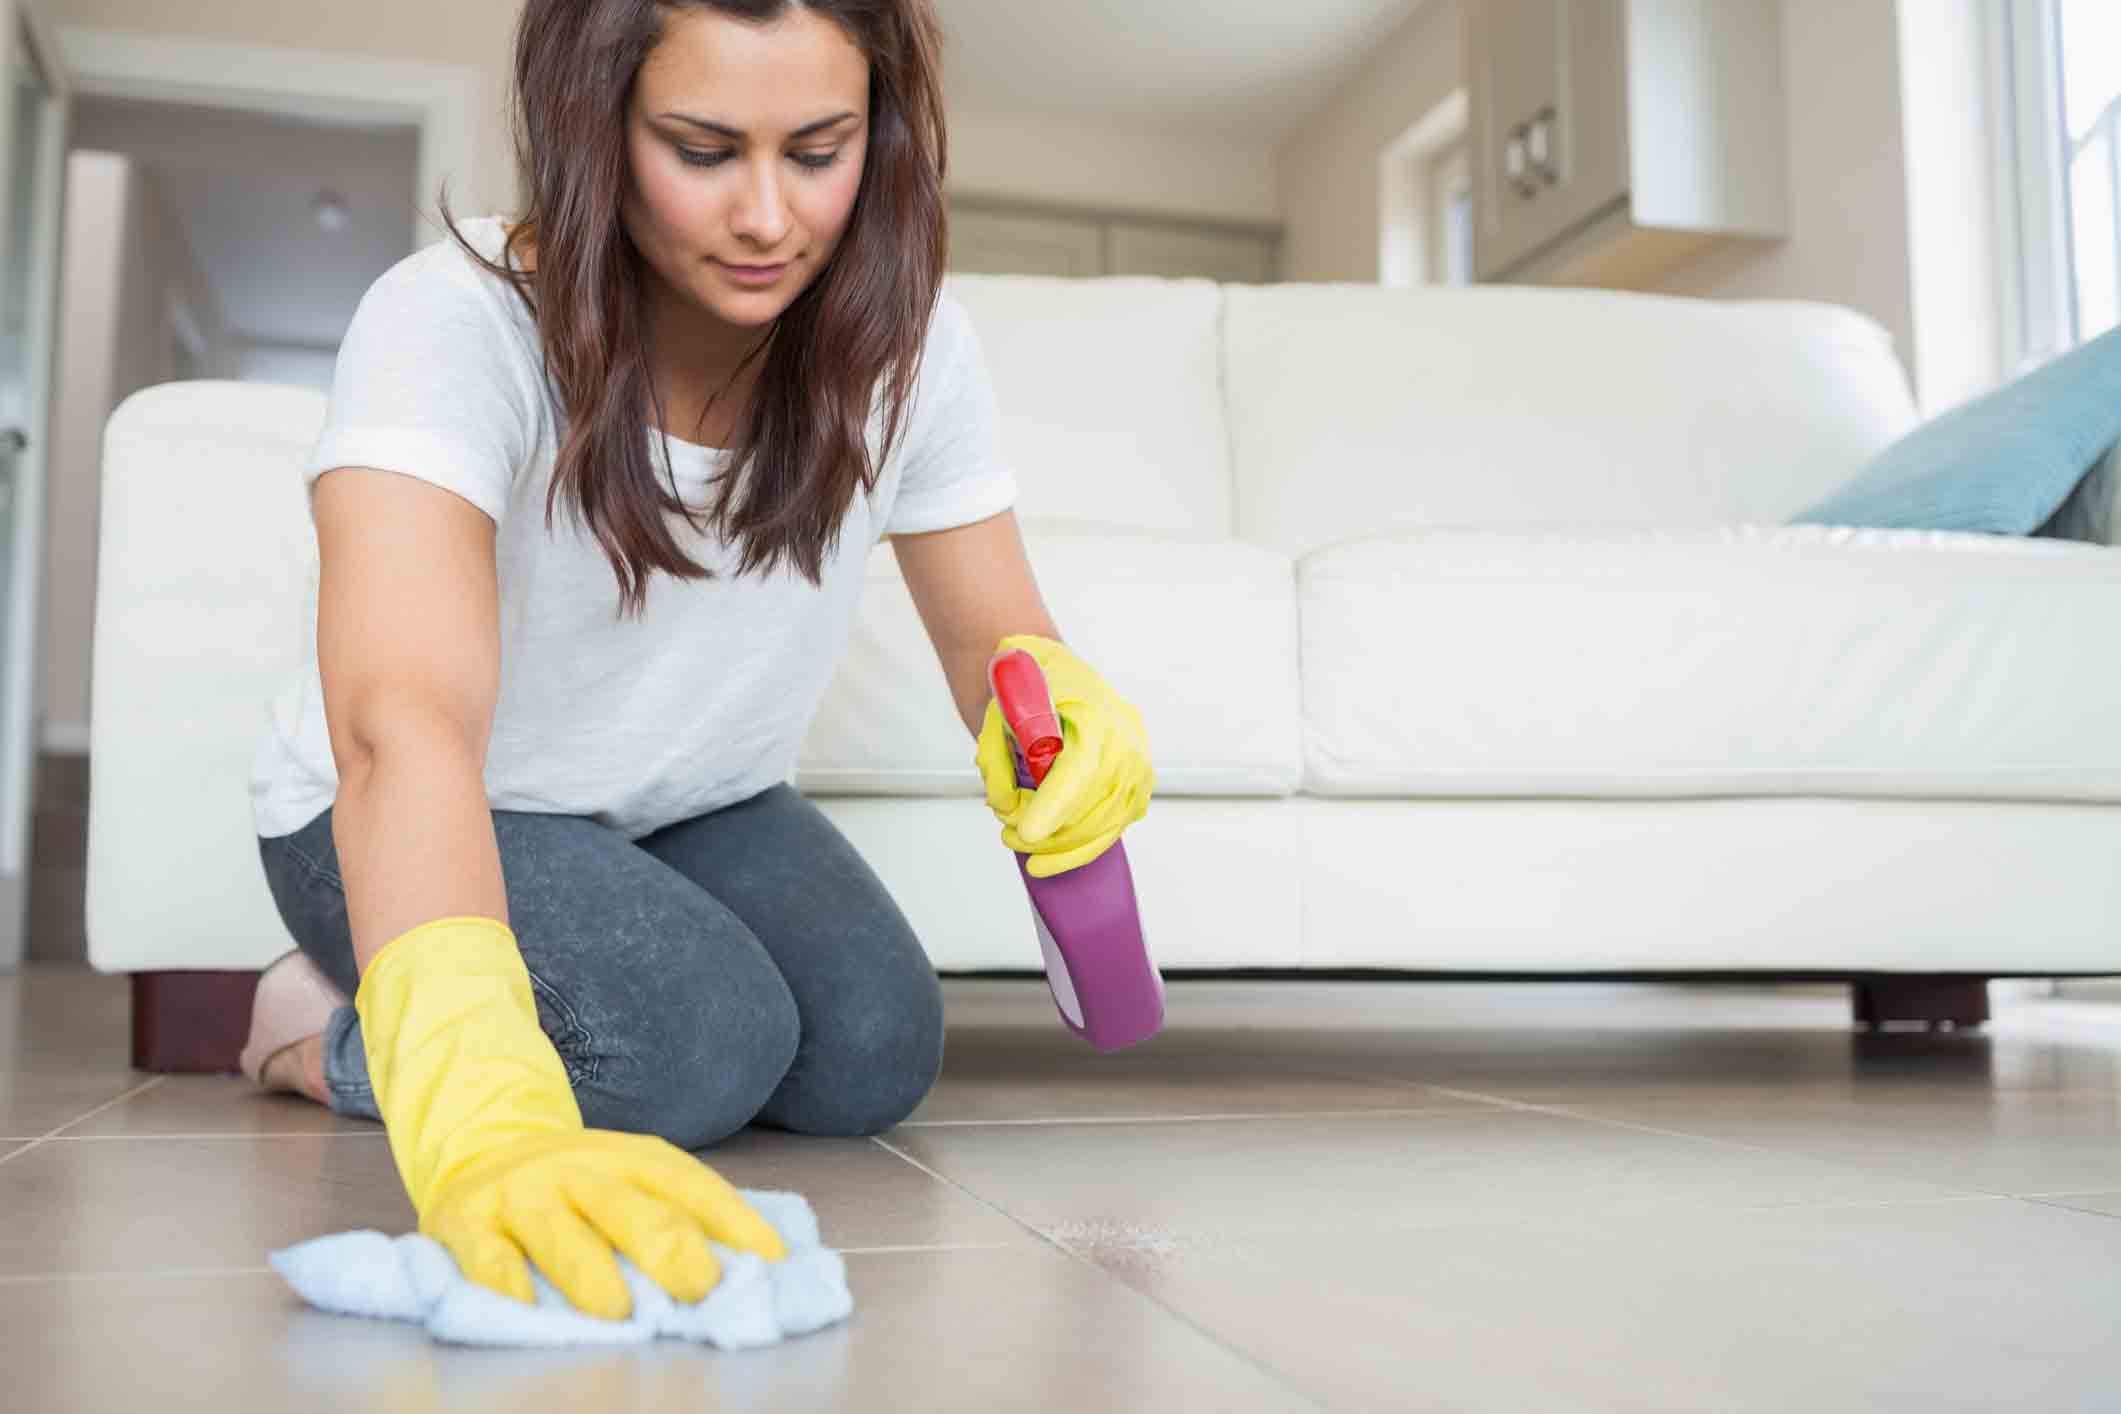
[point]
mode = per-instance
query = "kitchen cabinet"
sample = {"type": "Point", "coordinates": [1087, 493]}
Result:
{"type": "Point", "coordinates": [1614, 139]}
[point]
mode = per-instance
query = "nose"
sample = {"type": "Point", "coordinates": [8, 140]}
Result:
{"type": "Point", "coordinates": [759, 217]}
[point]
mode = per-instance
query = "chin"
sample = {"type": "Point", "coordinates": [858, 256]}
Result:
{"type": "Point", "coordinates": [755, 312]}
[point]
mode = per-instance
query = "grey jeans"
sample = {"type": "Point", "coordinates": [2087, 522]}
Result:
{"type": "Point", "coordinates": [744, 965]}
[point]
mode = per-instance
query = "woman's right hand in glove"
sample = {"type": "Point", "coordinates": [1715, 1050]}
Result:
{"type": "Point", "coordinates": [490, 1141]}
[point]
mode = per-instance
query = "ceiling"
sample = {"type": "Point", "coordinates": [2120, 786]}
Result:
{"type": "Point", "coordinates": [1250, 70]}
{"type": "Point", "coordinates": [240, 186]}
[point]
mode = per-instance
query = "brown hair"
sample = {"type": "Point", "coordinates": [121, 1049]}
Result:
{"type": "Point", "coordinates": [800, 448]}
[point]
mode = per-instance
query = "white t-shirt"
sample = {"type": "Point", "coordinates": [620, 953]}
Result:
{"type": "Point", "coordinates": [701, 701]}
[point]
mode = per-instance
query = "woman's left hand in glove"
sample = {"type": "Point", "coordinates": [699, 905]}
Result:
{"type": "Point", "coordinates": [1098, 785]}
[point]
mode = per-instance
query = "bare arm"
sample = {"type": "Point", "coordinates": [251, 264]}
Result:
{"type": "Point", "coordinates": [972, 586]}
{"type": "Point", "coordinates": [408, 646]}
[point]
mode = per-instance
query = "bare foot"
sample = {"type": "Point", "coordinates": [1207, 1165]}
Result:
{"type": "Point", "coordinates": [299, 1068]}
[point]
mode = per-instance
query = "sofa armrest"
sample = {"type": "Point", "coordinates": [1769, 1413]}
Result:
{"type": "Point", "coordinates": [2093, 510]}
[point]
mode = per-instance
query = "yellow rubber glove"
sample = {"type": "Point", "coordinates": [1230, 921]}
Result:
{"type": "Point", "coordinates": [1100, 783]}
{"type": "Point", "coordinates": [490, 1141]}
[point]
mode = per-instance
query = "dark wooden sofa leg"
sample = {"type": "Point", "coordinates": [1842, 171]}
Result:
{"type": "Point", "coordinates": [1953, 1003]}
{"type": "Point", "coordinates": [193, 1022]}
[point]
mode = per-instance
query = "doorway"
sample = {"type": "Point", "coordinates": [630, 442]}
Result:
{"type": "Point", "coordinates": [222, 209]}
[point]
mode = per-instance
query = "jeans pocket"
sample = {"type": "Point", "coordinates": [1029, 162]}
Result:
{"type": "Point", "coordinates": [565, 1030]}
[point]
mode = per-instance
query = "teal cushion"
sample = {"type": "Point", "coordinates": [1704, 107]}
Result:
{"type": "Point", "coordinates": [2000, 464]}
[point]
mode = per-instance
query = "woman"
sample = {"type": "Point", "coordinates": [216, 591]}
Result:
{"type": "Point", "coordinates": [525, 810]}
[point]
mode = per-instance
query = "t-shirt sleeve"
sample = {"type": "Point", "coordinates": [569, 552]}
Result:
{"type": "Point", "coordinates": [427, 385]}
{"type": "Point", "coordinates": [953, 473]}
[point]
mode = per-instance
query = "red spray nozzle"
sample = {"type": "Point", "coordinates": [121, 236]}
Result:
{"type": "Point", "coordinates": [1027, 708]}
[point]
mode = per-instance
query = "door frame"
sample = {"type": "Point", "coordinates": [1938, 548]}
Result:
{"type": "Point", "coordinates": [442, 100]}
{"type": "Point", "coordinates": [22, 692]}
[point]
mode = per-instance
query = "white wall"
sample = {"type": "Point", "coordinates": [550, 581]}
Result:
{"type": "Point", "coordinates": [1848, 241]}
{"type": "Point", "coordinates": [1328, 168]}
{"type": "Point", "coordinates": [1953, 258]}
{"type": "Point", "coordinates": [122, 257]}
{"type": "Point", "coordinates": [1060, 161]}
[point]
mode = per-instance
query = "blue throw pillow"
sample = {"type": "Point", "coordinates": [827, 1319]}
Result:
{"type": "Point", "coordinates": [2000, 464]}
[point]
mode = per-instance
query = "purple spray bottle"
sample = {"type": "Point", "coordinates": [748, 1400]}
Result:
{"type": "Point", "coordinates": [1089, 926]}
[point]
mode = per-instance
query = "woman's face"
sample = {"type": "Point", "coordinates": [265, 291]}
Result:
{"type": "Point", "coordinates": [776, 189]}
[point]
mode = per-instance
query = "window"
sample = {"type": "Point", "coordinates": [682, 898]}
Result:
{"type": "Point", "coordinates": [1425, 201]}
{"type": "Point", "coordinates": [2088, 36]}
{"type": "Point", "coordinates": [1450, 245]}
{"type": "Point", "coordinates": [2059, 71]}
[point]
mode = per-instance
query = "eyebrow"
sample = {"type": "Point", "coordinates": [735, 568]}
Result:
{"type": "Point", "coordinates": [805, 131]}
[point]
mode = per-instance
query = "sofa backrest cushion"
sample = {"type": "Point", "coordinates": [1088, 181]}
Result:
{"type": "Point", "coordinates": [1110, 396]}
{"type": "Point", "coordinates": [1356, 410]}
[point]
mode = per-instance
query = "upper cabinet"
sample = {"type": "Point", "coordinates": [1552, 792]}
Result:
{"type": "Point", "coordinates": [1614, 139]}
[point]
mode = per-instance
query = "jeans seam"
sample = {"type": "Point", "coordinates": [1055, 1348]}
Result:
{"type": "Point", "coordinates": [574, 1036]}
{"type": "Point", "coordinates": [316, 869]}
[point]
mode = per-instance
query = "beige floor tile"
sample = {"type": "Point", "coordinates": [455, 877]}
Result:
{"type": "Point", "coordinates": [224, 1105]}
{"type": "Point", "coordinates": [1979, 1304]}
{"type": "Point", "coordinates": [1217, 1181]}
{"type": "Point", "coordinates": [115, 1204]}
{"type": "Point", "coordinates": [1015, 1328]}
{"type": "Point", "coordinates": [131, 1205]}
{"type": "Point", "coordinates": [65, 1019]}
{"type": "Point", "coordinates": [992, 1075]}
{"type": "Point", "coordinates": [2002, 1141]}
{"type": "Point", "coordinates": [1570, 1195]}
{"type": "Point", "coordinates": [33, 1103]}
{"type": "Point", "coordinates": [1556, 1040]}
{"type": "Point", "coordinates": [864, 1195]}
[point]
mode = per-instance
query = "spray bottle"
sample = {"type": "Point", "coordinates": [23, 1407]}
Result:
{"type": "Point", "coordinates": [1089, 925]}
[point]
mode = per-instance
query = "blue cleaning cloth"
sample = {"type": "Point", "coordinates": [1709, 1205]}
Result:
{"type": "Point", "coordinates": [414, 1278]}
{"type": "Point", "coordinates": [2001, 464]}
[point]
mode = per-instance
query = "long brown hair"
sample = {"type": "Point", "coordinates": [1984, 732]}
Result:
{"type": "Point", "coordinates": [800, 448]}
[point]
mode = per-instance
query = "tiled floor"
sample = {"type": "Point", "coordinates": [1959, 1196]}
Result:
{"type": "Point", "coordinates": [1326, 1195]}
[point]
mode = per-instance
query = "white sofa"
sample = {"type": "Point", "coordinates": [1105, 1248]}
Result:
{"type": "Point", "coordinates": [1463, 621]}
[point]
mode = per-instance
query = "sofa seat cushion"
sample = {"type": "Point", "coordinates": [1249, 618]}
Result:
{"type": "Point", "coordinates": [1740, 660]}
{"type": "Point", "coordinates": [1198, 632]}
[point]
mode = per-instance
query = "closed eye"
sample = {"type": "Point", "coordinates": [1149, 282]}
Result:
{"type": "Point", "coordinates": [816, 162]}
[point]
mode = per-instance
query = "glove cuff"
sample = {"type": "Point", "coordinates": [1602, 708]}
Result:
{"type": "Point", "coordinates": [456, 1055]}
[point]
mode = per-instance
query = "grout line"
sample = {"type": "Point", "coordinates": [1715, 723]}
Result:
{"type": "Point", "coordinates": [1423, 1110]}
{"type": "Point", "coordinates": [931, 1247]}
{"type": "Point", "coordinates": [1245, 1357]}
{"type": "Point", "coordinates": [119, 1099]}
{"type": "Point", "coordinates": [214, 1134]}
{"type": "Point", "coordinates": [1591, 1117]}
{"type": "Point", "coordinates": [32, 1278]}
{"type": "Point", "coordinates": [2050, 1202]}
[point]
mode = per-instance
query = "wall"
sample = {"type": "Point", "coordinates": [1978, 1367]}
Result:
{"type": "Point", "coordinates": [1954, 269]}
{"type": "Point", "coordinates": [123, 255]}
{"type": "Point", "coordinates": [1328, 168]}
{"type": "Point", "coordinates": [1891, 209]}
{"type": "Point", "coordinates": [1052, 160]}
{"type": "Point", "coordinates": [1848, 241]}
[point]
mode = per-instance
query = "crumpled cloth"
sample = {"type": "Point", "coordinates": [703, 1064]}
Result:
{"type": "Point", "coordinates": [414, 1278]}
